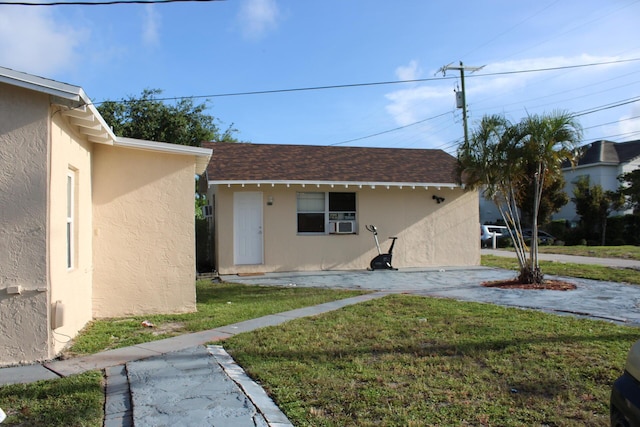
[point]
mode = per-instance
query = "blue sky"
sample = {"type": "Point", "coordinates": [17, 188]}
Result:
{"type": "Point", "coordinates": [238, 46]}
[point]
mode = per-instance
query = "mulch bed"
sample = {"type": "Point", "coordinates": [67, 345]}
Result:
{"type": "Point", "coordinates": [550, 285]}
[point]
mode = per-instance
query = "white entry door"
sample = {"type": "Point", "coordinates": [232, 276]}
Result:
{"type": "Point", "coordinates": [247, 228]}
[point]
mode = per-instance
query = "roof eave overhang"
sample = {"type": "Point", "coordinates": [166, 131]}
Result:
{"type": "Point", "coordinates": [89, 122]}
{"type": "Point", "coordinates": [78, 109]}
{"type": "Point", "coordinates": [51, 87]}
{"type": "Point", "coordinates": [76, 105]}
{"type": "Point", "coordinates": [590, 165]}
{"type": "Point", "coordinates": [337, 184]}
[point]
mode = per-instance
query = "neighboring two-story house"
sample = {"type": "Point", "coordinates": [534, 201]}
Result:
{"type": "Point", "coordinates": [602, 161]}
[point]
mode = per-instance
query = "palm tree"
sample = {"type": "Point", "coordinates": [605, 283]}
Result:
{"type": "Point", "coordinates": [496, 158]}
{"type": "Point", "coordinates": [547, 141]}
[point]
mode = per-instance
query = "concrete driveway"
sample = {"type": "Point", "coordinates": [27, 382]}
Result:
{"type": "Point", "coordinates": [616, 302]}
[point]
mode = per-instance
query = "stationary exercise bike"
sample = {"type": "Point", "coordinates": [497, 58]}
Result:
{"type": "Point", "coordinates": [381, 261]}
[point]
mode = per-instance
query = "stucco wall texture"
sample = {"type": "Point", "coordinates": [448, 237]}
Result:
{"type": "Point", "coordinates": [133, 229]}
{"type": "Point", "coordinates": [71, 286]}
{"type": "Point", "coordinates": [23, 220]}
{"type": "Point", "coordinates": [143, 237]}
{"type": "Point", "coordinates": [429, 234]}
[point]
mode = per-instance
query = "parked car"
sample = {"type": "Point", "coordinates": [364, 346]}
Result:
{"type": "Point", "coordinates": [544, 238]}
{"type": "Point", "coordinates": [625, 393]}
{"type": "Point", "coordinates": [487, 231]}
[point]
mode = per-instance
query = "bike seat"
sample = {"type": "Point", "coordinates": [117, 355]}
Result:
{"type": "Point", "coordinates": [393, 238]}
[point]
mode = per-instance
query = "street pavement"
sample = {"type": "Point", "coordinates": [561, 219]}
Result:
{"type": "Point", "coordinates": [184, 381]}
{"type": "Point", "coordinates": [607, 262]}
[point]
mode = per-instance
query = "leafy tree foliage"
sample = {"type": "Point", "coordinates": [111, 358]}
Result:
{"type": "Point", "coordinates": [553, 198]}
{"type": "Point", "coordinates": [594, 205]}
{"type": "Point", "coordinates": [149, 118]}
{"type": "Point", "coordinates": [630, 189]}
{"type": "Point", "coordinates": [505, 159]}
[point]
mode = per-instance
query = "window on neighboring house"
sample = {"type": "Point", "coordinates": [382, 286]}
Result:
{"type": "Point", "coordinates": [71, 219]}
{"type": "Point", "coordinates": [318, 210]}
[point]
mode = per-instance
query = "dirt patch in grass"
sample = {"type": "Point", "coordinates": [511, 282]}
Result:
{"type": "Point", "coordinates": [167, 328]}
{"type": "Point", "coordinates": [550, 285]}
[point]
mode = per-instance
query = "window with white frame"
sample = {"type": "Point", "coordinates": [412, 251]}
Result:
{"type": "Point", "coordinates": [326, 212]}
{"type": "Point", "coordinates": [71, 219]}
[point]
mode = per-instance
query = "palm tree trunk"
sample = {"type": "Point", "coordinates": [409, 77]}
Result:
{"type": "Point", "coordinates": [533, 273]}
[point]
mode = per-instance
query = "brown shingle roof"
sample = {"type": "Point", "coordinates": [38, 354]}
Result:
{"type": "Point", "coordinates": [310, 163]}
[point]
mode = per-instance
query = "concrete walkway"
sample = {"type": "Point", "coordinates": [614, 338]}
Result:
{"type": "Point", "coordinates": [179, 381]}
{"type": "Point", "coordinates": [607, 262]}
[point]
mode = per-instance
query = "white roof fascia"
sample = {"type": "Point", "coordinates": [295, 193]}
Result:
{"type": "Point", "coordinates": [97, 115]}
{"type": "Point", "coordinates": [338, 184]}
{"type": "Point", "coordinates": [40, 84]}
{"type": "Point", "coordinates": [590, 165]}
{"type": "Point", "coordinates": [202, 155]}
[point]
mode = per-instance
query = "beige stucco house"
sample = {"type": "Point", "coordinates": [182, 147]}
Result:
{"type": "Point", "coordinates": [91, 225]}
{"type": "Point", "coordinates": [298, 207]}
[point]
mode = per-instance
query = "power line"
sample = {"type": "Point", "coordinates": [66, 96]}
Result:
{"type": "Point", "coordinates": [391, 82]}
{"type": "Point", "coordinates": [564, 67]}
{"type": "Point", "coordinates": [611, 123]}
{"type": "Point", "coordinates": [352, 85]}
{"type": "Point", "coordinates": [510, 29]}
{"type": "Point", "coordinates": [452, 144]}
{"type": "Point", "coordinates": [390, 130]}
{"type": "Point", "coordinates": [105, 3]}
{"type": "Point", "coordinates": [555, 36]}
{"type": "Point", "coordinates": [299, 89]}
{"type": "Point", "coordinates": [618, 135]}
{"type": "Point", "coordinates": [607, 106]}
{"type": "Point", "coordinates": [580, 88]}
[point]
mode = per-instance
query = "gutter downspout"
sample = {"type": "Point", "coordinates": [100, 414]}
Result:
{"type": "Point", "coordinates": [50, 314]}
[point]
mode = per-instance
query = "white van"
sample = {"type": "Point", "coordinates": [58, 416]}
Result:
{"type": "Point", "coordinates": [487, 232]}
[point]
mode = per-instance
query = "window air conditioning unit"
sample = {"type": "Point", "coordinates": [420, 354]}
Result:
{"type": "Point", "coordinates": [207, 211]}
{"type": "Point", "coordinates": [342, 227]}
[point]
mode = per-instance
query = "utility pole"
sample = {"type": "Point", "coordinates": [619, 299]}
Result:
{"type": "Point", "coordinates": [463, 103]}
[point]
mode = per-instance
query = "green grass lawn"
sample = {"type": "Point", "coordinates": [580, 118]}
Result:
{"type": "Point", "coordinates": [219, 304]}
{"type": "Point", "coordinates": [68, 402]}
{"type": "Point", "coordinates": [407, 360]}
{"type": "Point", "coordinates": [402, 360]}
{"type": "Point", "coordinates": [625, 252]}
{"type": "Point", "coordinates": [78, 400]}
{"type": "Point", "coordinates": [595, 272]}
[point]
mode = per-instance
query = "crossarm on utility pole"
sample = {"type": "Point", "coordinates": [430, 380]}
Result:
{"type": "Point", "coordinates": [462, 69]}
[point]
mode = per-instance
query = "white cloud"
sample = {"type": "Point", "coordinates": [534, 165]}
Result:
{"type": "Point", "coordinates": [151, 26]}
{"type": "Point", "coordinates": [629, 125]}
{"type": "Point", "coordinates": [32, 41]}
{"type": "Point", "coordinates": [257, 17]}
{"type": "Point", "coordinates": [410, 105]}
{"type": "Point", "coordinates": [419, 102]}
{"type": "Point", "coordinates": [409, 72]}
